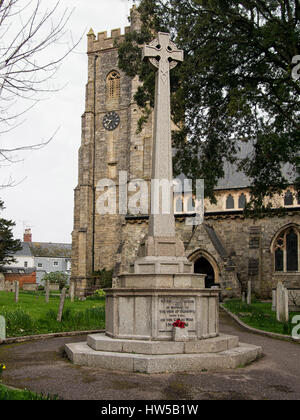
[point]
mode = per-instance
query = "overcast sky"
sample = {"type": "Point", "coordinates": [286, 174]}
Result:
{"type": "Point", "coordinates": [43, 201]}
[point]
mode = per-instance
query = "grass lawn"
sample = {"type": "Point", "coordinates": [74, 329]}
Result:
{"type": "Point", "coordinates": [16, 394]}
{"type": "Point", "coordinates": [260, 315]}
{"type": "Point", "coordinates": [32, 315]}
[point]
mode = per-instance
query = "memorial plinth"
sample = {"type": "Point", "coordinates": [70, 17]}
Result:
{"type": "Point", "coordinates": [161, 286]}
{"type": "Point", "coordinates": [148, 314]}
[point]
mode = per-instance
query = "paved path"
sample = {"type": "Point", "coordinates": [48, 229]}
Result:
{"type": "Point", "coordinates": [41, 366]}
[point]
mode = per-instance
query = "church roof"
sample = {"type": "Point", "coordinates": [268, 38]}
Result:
{"type": "Point", "coordinates": [234, 179]}
{"type": "Point", "coordinates": [216, 241]}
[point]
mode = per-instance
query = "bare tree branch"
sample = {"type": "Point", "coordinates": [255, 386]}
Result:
{"type": "Point", "coordinates": [29, 32]}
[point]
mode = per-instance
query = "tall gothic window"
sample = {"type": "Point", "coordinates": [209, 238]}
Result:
{"type": "Point", "coordinates": [190, 205]}
{"type": "Point", "coordinates": [230, 202]}
{"type": "Point", "coordinates": [113, 85]}
{"type": "Point", "coordinates": [179, 205]}
{"type": "Point", "coordinates": [242, 201]}
{"type": "Point", "coordinates": [286, 251]}
{"type": "Point", "coordinates": [288, 198]}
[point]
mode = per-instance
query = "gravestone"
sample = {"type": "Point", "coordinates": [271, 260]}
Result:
{"type": "Point", "coordinates": [72, 291]}
{"type": "Point", "coordinates": [47, 291]}
{"type": "Point", "coordinates": [282, 303]}
{"type": "Point", "coordinates": [2, 282]}
{"type": "Point", "coordinates": [249, 292]}
{"type": "Point", "coordinates": [61, 304]}
{"type": "Point", "coordinates": [2, 328]}
{"type": "Point", "coordinates": [161, 286]}
{"type": "Point", "coordinates": [17, 286]}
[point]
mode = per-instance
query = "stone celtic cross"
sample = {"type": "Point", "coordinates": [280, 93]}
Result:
{"type": "Point", "coordinates": [163, 55]}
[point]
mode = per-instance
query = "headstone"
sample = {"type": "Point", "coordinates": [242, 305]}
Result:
{"type": "Point", "coordinates": [2, 328]}
{"type": "Point", "coordinates": [32, 287]}
{"type": "Point", "coordinates": [16, 291]}
{"type": "Point", "coordinates": [249, 292]}
{"type": "Point", "coordinates": [61, 304]}
{"type": "Point", "coordinates": [47, 289]}
{"type": "Point", "coordinates": [282, 303]}
{"type": "Point", "coordinates": [72, 291]}
{"type": "Point", "coordinates": [2, 282]}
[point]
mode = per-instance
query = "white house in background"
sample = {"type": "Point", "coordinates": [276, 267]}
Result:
{"type": "Point", "coordinates": [46, 257]}
{"type": "Point", "coordinates": [24, 257]}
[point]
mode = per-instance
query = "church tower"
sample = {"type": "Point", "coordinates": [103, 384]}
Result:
{"type": "Point", "coordinates": [110, 144]}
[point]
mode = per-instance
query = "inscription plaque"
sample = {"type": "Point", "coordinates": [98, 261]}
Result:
{"type": "Point", "coordinates": [173, 308]}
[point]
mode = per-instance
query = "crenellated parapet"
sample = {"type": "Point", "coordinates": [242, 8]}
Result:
{"type": "Point", "coordinates": [104, 42]}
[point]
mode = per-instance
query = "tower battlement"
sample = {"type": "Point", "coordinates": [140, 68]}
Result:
{"type": "Point", "coordinates": [104, 42]}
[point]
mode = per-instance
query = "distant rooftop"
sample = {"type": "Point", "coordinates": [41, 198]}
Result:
{"type": "Point", "coordinates": [18, 270]}
{"type": "Point", "coordinates": [50, 249]}
{"type": "Point", "coordinates": [44, 249]}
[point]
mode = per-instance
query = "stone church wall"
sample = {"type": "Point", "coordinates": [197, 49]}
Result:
{"type": "Point", "coordinates": [247, 243]}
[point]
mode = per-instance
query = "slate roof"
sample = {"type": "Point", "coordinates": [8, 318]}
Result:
{"type": "Point", "coordinates": [18, 270]}
{"type": "Point", "coordinates": [216, 241]}
{"type": "Point", "coordinates": [44, 249]}
{"type": "Point", "coordinates": [25, 251]}
{"type": "Point", "coordinates": [234, 179]}
{"type": "Point", "coordinates": [50, 249]}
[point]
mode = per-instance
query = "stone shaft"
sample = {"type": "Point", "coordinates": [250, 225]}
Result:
{"type": "Point", "coordinates": [163, 55]}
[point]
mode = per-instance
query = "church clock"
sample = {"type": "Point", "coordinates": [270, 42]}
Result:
{"type": "Point", "coordinates": [111, 121]}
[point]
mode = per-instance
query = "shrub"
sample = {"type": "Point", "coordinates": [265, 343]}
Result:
{"type": "Point", "coordinates": [105, 277]}
{"type": "Point", "coordinates": [2, 367]}
{"type": "Point", "coordinates": [99, 293]}
{"type": "Point", "coordinates": [56, 277]}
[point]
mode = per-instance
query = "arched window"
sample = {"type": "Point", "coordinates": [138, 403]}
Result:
{"type": "Point", "coordinates": [178, 205]}
{"type": "Point", "coordinates": [286, 251]}
{"type": "Point", "coordinates": [288, 198]}
{"type": "Point", "coordinates": [242, 201]}
{"type": "Point", "coordinates": [230, 202]}
{"type": "Point", "coordinates": [190, 205]}
{"type": "Point", "coordinates": [113, 85]}
{"type": "Point", "coordinates": [292, 251]}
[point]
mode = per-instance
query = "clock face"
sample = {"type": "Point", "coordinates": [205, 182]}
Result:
{"type": "Point", "coordinates": [111, 120]}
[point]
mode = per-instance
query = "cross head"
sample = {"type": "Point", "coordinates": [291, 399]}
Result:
{"type": "Point", "coordinates": [163, 53]}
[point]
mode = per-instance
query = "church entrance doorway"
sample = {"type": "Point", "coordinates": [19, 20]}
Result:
{"type": "Point", "coordinates": [203, 266]}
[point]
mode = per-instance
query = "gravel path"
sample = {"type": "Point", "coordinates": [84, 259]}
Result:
{"type": "Point", "coordinates": [41, 366]}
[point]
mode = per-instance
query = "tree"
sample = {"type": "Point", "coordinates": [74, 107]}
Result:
{"type": "Point", "coordinates": [56, 277]}
{"type": "Point", "coordinates": [237, 84]}
{"type": "Point", "coordinates": [8, 245]}
{"type": "Point", "coordinates": [28, 59]}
